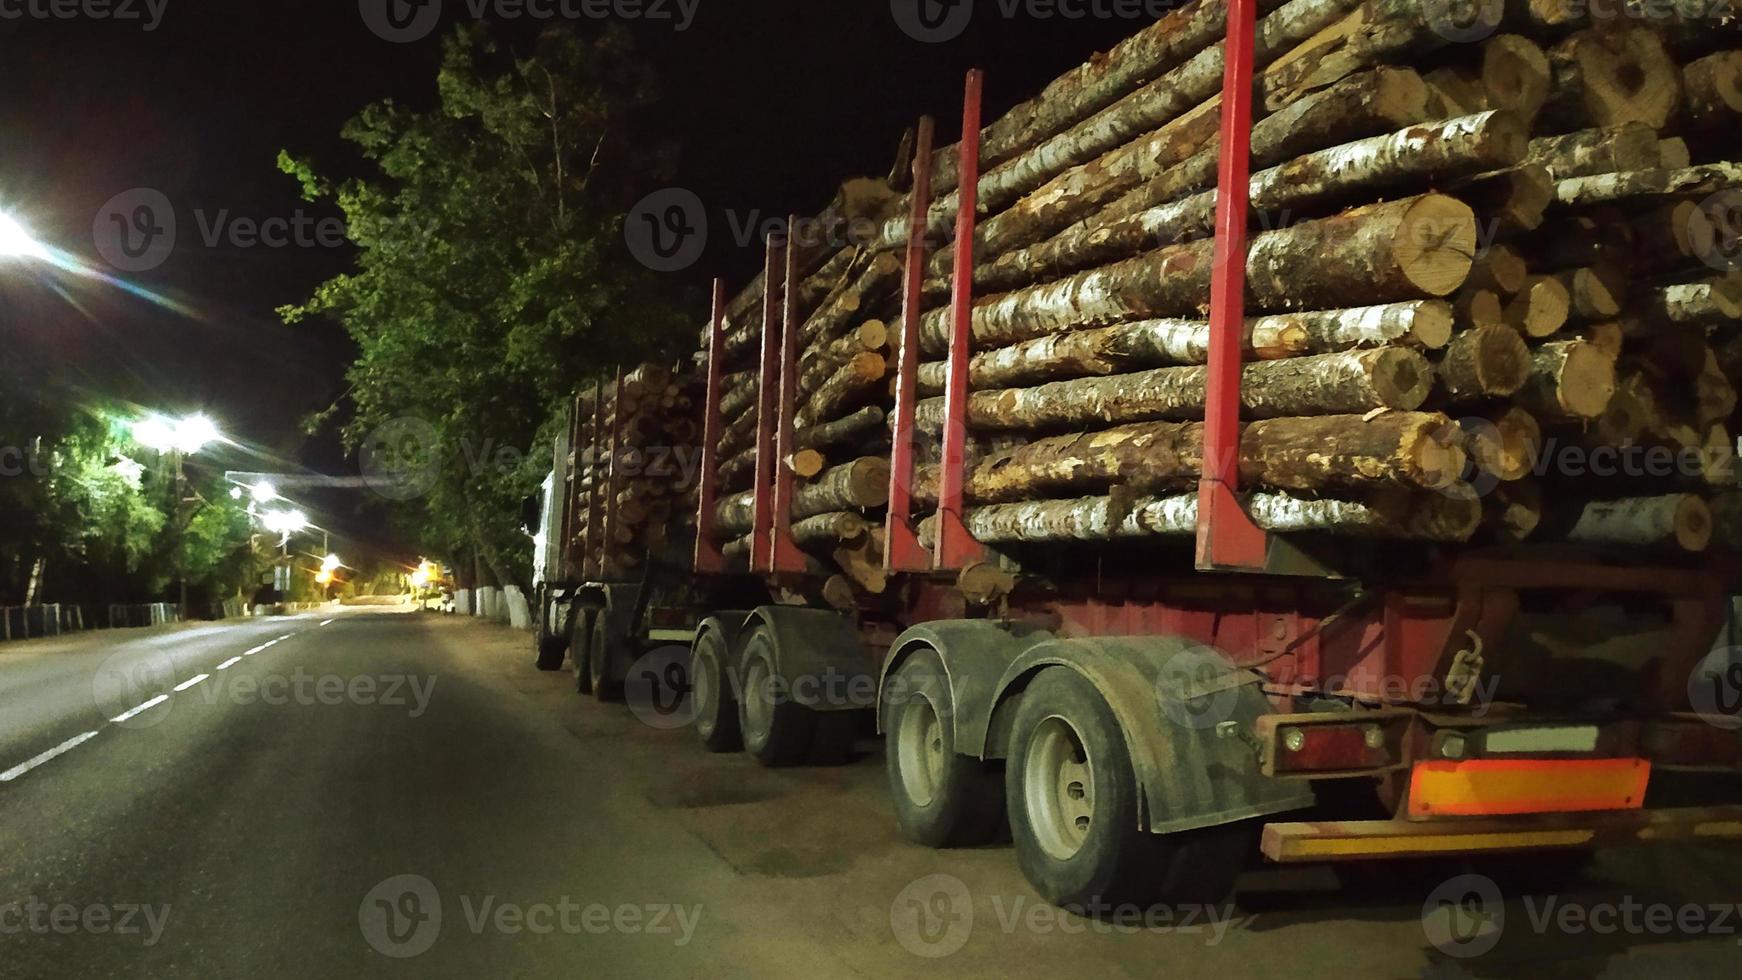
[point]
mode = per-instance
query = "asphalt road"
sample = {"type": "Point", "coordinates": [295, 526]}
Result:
{"type": "Point", "coordinates": [402, 795]}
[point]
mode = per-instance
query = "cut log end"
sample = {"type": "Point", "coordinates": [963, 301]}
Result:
{"type": "Point", "coordinates": [1401, 378]}
{"type": "Point", "coordinates": [1436, 244]}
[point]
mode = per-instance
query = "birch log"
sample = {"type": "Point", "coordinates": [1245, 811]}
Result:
{"type": "Point", "coordinates": [1323, 384]}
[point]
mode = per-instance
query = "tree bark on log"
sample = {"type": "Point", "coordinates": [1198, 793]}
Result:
{"type": "Point", "coordinates": [1714, 89]}
{"type": "Point", "coordinates": [1422, 324]}
{"type": "Point", "coordinates": [1404, 160]}
{"type": "Point", "coordinates": [828, 530]}
{"type": "Point", "coordinates": [1410, 449]}
{"type": "Point", "coordinates": [1710, 302]}
{"type": "Point", "coordinates": [859, 485]}
{"type": "Point", "coordinates": [1570, 381]}
{"type": "Point", "coordinates": [846, 430]}
{"type": "Point", "coordinates": [1605, 188]}
{"type": "Point", "coordinates": [1483, 363]}
{"type": "Point", "coordinates": [851, 381]}
{"type": "Point", "coordinates": [1500, 268]}
{"type": "Point", "coordinates": [1596, 292]}
{"type": "Point", "coordinates": [1581, 153]}
{"type": "Point", "coordinates": [1516, 75]}
{"type": "Point", "coordinates": [820, 363]}
{"type": "Point", "coordinates": [1416, 248]}
{"type": "Point", "coordinates": [879, 277]}
{"type": "Point", "coordinates": [1678, 520]}
{"type": "Point", "coordinates": [1324, 384]}
{"type": "Point", "coordinates": [1508, 202]}
{"type": "Point", "coordinates": [1196, 79]}
{"type": "Point", "coordinates": [1422, 517]}
{"type": "Point", "coordinates": [741, 389]}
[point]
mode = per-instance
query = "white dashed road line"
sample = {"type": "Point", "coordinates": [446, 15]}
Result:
{"type": "Point", "coordinates": [73, 743]}
{"type": "Point", "coordinates": [66, 746]}
{"type": "Point", "coordinates": [327, 622]}
{"type": "Point", "coordinates": [147, 706]}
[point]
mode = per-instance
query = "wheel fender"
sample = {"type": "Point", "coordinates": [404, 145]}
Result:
{"type": "Point", "coordinates": [975, 654]}
{"type": "Point", "coordinates": [730, 624]}
{"type": "Point", "coordinates": [617, 604]}
{"type": "Point", "coordinates": [1182, 707]}
{"type": "Point", "coordinates": [819, 656]}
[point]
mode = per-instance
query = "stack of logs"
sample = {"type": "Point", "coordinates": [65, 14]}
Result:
{"type": "Point", "coordinates": [1489, 286]}
{"type": "Point", "coordinates": [646, 447]}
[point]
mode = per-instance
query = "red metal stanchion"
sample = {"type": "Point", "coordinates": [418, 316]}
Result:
{"type": "Point", "coordinates": [708, 556]}
{"type": "Point", "coordinates": [955, 546]}
{"type": "Point", "coordinates": [902, 551]}
{"type": "Point", "coordinates": [1227, 538]}
{"type": "Point", "coordinates": [786, 556]}
{"type": "Point", "coordinates": [762, 523]}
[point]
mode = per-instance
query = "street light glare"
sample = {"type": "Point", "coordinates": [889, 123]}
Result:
{"type": "Point", "coordinates": [16, 240]}
{"type": "Point", "coordinates": [263, 492]}
{"type": "Point", "coordinates": [285, 521]}
{"type": "Point", "coordinates": [331, 563]}
{"type": "Point", "coordinates": [186, 436]}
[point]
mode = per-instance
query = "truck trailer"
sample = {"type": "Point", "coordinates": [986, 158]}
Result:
{"type": "Point", "coordinates": [1309, 577]}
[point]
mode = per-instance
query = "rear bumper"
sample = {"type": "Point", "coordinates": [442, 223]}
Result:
{"type": "Point", "coordinates": [1355, 840]}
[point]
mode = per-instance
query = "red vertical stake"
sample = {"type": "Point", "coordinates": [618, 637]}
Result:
{"type": "Point", "coordinates": [708, 557]}
{"type": "Point", "coordinates": [786, 556]}
{"type": "Point", "coordinates": [609, 526]}
{"type": "Point", "coordinates": [594, 560]}
{"type": "Point", "coordinates": [768, 377]}
{"type": "Point", "coordinates": [902, 551]}
{"type": "Point", "coordinates": [1227, 538]}
{"type": "Point", "coordinates": [955, 546]}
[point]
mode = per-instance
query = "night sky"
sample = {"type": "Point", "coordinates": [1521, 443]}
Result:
{"type": "Point", "coordinates": [770, 102]}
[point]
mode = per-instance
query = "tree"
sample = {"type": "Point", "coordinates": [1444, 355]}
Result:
{"type": "Point", "coordinates": [491, 281]}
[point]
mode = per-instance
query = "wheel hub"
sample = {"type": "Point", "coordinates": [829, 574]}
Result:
{"type": "Point", "coordinates": [758, 698]}
{"type": "Point", "coordinates": [919, 741]}
{"type": "Point", "coordinates": [1059, 788]}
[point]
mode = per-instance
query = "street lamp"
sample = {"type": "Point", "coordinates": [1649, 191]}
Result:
{"type": "Point", "coordinates": [177, 439]}
{"type": "Point", "coordinates": [16, 240]}
{"type": "Point", "coordinates": [263, 492]}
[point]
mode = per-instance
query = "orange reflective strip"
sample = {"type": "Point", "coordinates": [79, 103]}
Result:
{"type": "Point", "coordinates": [1487, 787]}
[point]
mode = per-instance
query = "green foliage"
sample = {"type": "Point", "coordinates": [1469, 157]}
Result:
{"type": "Point", "coordinates": [491, 281]}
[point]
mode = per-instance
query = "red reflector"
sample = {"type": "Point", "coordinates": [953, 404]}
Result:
{"type": "Point", "coordinates": [1328, 748]}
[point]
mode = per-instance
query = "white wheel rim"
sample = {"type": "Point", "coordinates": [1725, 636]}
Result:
{"type": "Point", "coordinates": [919, 747]}
{"type": "Point", "coordinates": [1058, 785]}
{"type": "Point", "coordinates": [703, 687]}
{"type": "Point", "coordinates": [758, 699]}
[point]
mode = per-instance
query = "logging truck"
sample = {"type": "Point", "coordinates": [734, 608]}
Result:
{"type": "Point", "coordinates": [1236, 518]}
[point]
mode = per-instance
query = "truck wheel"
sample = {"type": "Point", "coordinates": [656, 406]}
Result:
{"type": "Point", "coordinates": [777, 731]}
{"type": "Point", "coordinates": [606, 688]}
{"type": "Point", "coordinates": [1074, 804]}
{"type": "Point", "coordinates": [942, 798]}
{"type": "Point", "coordinates": [581, 646]}
{"type": "Point", "coordinates": [711, 690]}
{"type": "Point", "coordinates": [550, 644]}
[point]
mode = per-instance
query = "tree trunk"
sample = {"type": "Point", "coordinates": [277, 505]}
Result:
{"type": "Point", "coordinates": [1505, 444]}
{"type": "Point", "coordinates": [850, 382]}
{"type": "Point", "coordinates": [1595, 292]}
{"type": "Point", "coordinates": [1508, 202]}
{"type": "Point", "coordinates": [820, 363]}
{"type": "Point", "coordinates": [1338, 451]}
{"type": "Point", "coordinates": [1403, 160]}
{"type": "Point", "coordinates": [1678, 520]}
{"type": "Point", "coordinates": [828, 530]}
{"type": "Point", "coordinates": [1486, 362]}
{"type": "Point", "coordinates": [1499, 268]}
{"type": "Point", "coordinates": [859, 485]}
{"type": "Point", "coordinates": [1422, 324]}
{"type": "Point", "coordinates": [1615, 76]}
{"type": "Point", "coordinates": [1714, 89]}
{"type": "Point", "coordinates": [833, 318]}
{"type": "Point", "coordinates": [846, 430]}
{"type": "Point", "coordinates": [1540, 309]}
{"type": "Point", "coordinates": [1516, 75]}
{"type": "Point", "coordinates": [1427, 517]}
{"type": "Point", "coordinates": [1604, 188]}
{"type": "Point", "coordinates": [1712, 302]}
{"type": "Point", "coordinates": [1570, 381]}
{"type": "Point", "coordinates": [1325, 384]}
{"type": "Point", "coordinates": [1631, 146]}
{"type": "Point", "coordinates": [1416, 248]}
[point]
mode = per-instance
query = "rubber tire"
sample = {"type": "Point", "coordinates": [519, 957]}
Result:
{"type": "Point", "coordinates": [551, 649]}
{"type": "Point", "coordinates": [967, 802]}
{"type": "Point", "coordinates": [606, 689]}
{"type": "Point", "coordinates": [786, 741]}
{"type": "Point", "coordinates": [1118, 863]}
{"type": "Point", "coordinates": [581, 646]}
{"type": "Point", "coordinates": [717, 717]}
